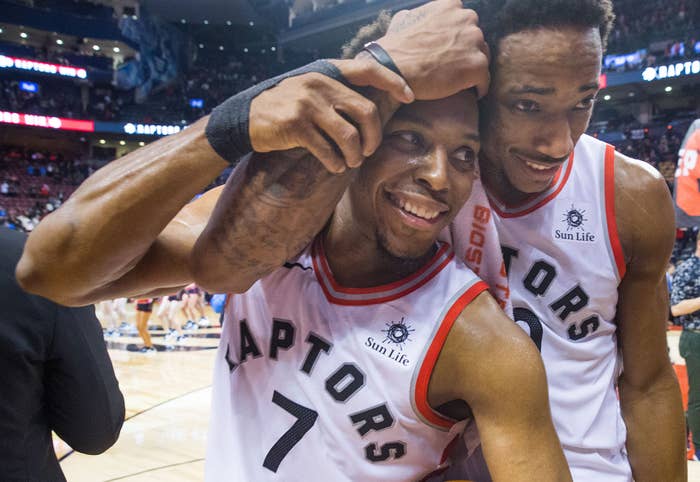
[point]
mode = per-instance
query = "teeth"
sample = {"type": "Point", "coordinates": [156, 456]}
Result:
{"type": "Point", "coordinates": [537, 167]}
{"type": "Point", "coordinates": [418, 211]}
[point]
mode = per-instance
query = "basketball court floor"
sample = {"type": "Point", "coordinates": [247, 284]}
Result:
{"type": "Point", "coordinates": [167, 411]}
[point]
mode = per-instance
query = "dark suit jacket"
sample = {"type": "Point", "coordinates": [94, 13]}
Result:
{"type": "Point", "coordinates": [55, 374]}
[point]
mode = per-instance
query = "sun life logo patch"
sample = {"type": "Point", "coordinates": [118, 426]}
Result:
{"type": "Point", "coordinates": [398, 333]}
{"type": "Point", "coordinates": [574, 218]}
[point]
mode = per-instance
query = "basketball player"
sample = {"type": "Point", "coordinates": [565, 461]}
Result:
{"type": "Point", "coordinates": [586, 273]}
{"type": "Point", "coordinates": [529, 130]}
{"type": "Point", "coordinates": [193, 305]}
{"type": "Point", "coordinates": [144, 308]}
{"type": "Point", "coordinates": [161, 314]}
{"type": "Point", "coordinates": [108, 316]}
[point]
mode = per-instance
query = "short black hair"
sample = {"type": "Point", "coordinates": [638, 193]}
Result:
{"type": "Point", "coordinates": [500, 18]}
{"type": "Point", "coordinates": [368, 33]}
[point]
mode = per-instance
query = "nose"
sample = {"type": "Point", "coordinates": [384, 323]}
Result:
{"type": "Point", "coordinates": [432, 172]}
{"type": "Point", "coordinates": [554, 138]}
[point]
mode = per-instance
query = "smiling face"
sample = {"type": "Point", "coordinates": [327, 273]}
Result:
{"type": "Point", "coordinates": [540, 101]}
{"type": "Point", "coordinates": [419, 178]}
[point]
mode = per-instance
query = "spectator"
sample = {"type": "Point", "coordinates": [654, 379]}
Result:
{"type": "Point", "coordinates": [685, 303]}
{"type": "Point", "coordinates": [56, 376]}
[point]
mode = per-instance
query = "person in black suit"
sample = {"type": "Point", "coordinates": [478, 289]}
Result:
{"type": "Point", "coordinates": [55, 374]}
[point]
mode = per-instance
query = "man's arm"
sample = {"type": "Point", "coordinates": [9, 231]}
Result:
{"type": "Point", "coordinates": [114, 236]}
{"type": "Point", "coordinates": [686, 307]}
{"type": "Point", "coordinates": [111, 221]}
{"type": "Point", "coordinates": [89, 248]}
{"type": "Point", "coordinates": [649, 393]}
{"type": "Point", "coordinates": [84, 404]}
{"type": "Point", "coordinates": [491, 364]}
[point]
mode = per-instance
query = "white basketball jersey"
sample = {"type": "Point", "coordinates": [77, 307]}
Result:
{"type": "Point", "coordinates": [564, 262]}
{"type": "Point", "coordinates": [317, 382]}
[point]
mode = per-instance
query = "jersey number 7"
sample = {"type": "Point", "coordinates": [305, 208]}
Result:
{"type": "Point", "coordinates": [306, 418]}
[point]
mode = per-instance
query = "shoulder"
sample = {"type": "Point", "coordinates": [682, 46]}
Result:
{"type": "Point", "coordinates": [488, 353]}
{"type": "Point", "coordinates": [643, 209]}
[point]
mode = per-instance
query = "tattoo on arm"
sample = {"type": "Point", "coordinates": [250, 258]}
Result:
{"type": "Point", "coordinates": [271, 208]}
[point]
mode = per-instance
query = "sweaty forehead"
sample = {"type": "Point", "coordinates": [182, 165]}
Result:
{"type": "Point", "coordinates": [537, 54]}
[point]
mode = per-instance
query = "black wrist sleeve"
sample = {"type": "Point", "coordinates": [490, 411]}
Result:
{"type": "Point", "coordinates": [227, 129]}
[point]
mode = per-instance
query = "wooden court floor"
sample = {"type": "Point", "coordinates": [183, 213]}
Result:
{"type": "Point", "coordinates": [167, 412]}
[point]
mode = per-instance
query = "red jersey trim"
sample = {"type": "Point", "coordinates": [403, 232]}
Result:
{"type": "Point", "coordinates": [377, 294]}
{"type": "Point", "coordinates": [431, 356]}
{"type": "Point", "coordinates": [545, 200]}
{"type": "Point", "coordinates": [610, 211]}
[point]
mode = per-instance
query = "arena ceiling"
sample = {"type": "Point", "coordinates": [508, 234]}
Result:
{"type": "Point", "coordinates": [215, 11]}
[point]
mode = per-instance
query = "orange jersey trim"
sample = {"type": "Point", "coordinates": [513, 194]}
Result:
{"type": "Point", "coordinates": [431, 356]}
{"type": "Point", "coordinates": [610, 211]}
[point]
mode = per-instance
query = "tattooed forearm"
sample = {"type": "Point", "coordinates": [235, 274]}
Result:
{"type": "Point", "coordinates": [271, 208]}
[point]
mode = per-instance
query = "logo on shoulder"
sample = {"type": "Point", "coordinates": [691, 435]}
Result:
{"type": "Point", "coordinates": [573, 221]}
{"type": "Point", "coordinates": [396, 333]}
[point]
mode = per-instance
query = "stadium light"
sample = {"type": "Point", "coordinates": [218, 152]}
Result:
{"type": "Point", "coordinates": [251, 23]}
{"type": "Point", "coordinates": [116, 50]}
{"type": "Point", "coordinates": [245, 49]}
{"type": "Point", "coordinates": [59, 41]}
{"type": "Point", "coordinates": [221, 47]}
{"type": "Point", "coordinates": [206, 22]}
{"type": "Point", "coordinates": [229, 23]}
{"type": "Point", "coordinates": [201, 46]}
{"type": "Point", "coordinates": [23, 35]}
{"type": "Point", "coordinates": [182, 20]}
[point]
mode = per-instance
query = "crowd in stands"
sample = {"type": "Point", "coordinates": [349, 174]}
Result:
{"type": "Point", "coordinates": [641, 23]}
{"type": "Point", "coordinates": [57, 97]}
{"type": "Point", "coordinates": [213, 81]}
{"type": "Point", "coordinates": [34, 183]}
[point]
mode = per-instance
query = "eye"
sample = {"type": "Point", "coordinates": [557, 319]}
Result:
{"type": "Point", "coordinates": [406, 141]}
{"type": "Point", "coordinates": [465, 159]}
{"type": "Point", "coordinates": [409, 137]}
{"type": "Point", "coordinates": [525, 105]}
{"type": "Point", "coordinates": [586, 103]}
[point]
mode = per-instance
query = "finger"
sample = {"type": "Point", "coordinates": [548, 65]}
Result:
{"type": "Point", "coordinates": [321, 149]}
{"type": "Point", "coordinates": [365, 115]}
{"type": "Point", "coordinates": [482, 77]}
{"type": "Point", "coordinates": [343, 134]}
{"type": "Point", "coordinates": [365, 71]}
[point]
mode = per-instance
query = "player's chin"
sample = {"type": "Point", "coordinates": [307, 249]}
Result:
{"type": "Point", "coordinates": [410, 246]}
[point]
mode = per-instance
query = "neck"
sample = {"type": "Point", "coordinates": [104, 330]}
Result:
{"type": "Point", "coordinates": [358, 260]}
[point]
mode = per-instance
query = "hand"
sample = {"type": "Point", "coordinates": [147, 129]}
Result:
{"type": "Point", "coordinates": [335, 124]}
{"type": "Point", "coordinates": [439, 49]}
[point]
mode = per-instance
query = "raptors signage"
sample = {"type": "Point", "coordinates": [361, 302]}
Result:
{"type": "Point", "coordinates": [42, 67]}
{"type": "Point", "coordinates": [46, 121]}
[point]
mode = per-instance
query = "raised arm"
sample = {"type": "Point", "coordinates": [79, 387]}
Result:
{"type": "Point", "coordinates": [490, 363]}
{"type": "Point", "coordinates": [649, 393]}
{"type": "Point", "coordinates": [112, 232]}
